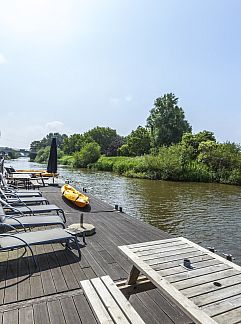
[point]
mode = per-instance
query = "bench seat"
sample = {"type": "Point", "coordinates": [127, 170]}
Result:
{"type": "Point", "coordinates": [108, 302]}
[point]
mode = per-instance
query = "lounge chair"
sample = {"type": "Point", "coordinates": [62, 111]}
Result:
{"type": "Point", "coordinates": [15, 200]}
{"type": "Point", "coordinates": [32, 210]}
{"type": "Point", "coordinates": [16, 221]}
{"type": "Point", "coordinates": [10, 241]}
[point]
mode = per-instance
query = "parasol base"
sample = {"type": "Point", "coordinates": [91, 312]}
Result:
{"type": "Point", "coordinates": [78, 230]}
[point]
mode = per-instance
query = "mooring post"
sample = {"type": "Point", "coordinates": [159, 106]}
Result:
{"type": "Point", "coordinates": [81, 220]}
{"type": "Point", "coordinates": [229, 257]}
{"type": "Point", "coordinates": [212, 249]}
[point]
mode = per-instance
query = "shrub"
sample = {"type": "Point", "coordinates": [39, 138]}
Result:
{"type": "Point", "coordinates": [66, 160]}
{"type": "Point", "coordinates": [90, 153]}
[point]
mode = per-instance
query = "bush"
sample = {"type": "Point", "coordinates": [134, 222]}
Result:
{"type": "Point", "coordinates": [90, 153]}
{"type": "Point", "coordinates": [103, 164]}
{"type": "Point", "coordinates": [66, 160]}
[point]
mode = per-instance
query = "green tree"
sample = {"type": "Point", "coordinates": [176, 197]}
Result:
{"type": "Point", "coordinates": [90, 153]}
{"type": "Point", "coordinates": [114, 146]}
{"type": "Point", "coordinates": [75, 142]}
{"type": "Point", "coordinates": [167, 121]}
{"type": "Point", "coordinates": [35, 146]}
{"type": "Point", "coordinates": [137, 143]}
{"type": "Point", "coordinates": [13, 154]}
{"type": "Point", "coordinates": [191, 142]}
{"type": "Point", "coordinates": [104, 136]}
{"type": "Point", "coordinates": [220, 156]}
{"type": "Point", "coordinates": [123, 150]}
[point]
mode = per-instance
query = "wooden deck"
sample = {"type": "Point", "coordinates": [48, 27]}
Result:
{"type": "Point", "coordinates": [52, 293]}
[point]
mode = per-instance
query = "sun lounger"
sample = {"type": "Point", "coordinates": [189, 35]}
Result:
{"type": "Point", "coordinates": [15, 200]}
{"type": "Point", "coordinates": [32, 210]}
{"type": "Point", "coordinates": [25, 193]}
{"type": "Point", "coordinates": [10, 241]}
{"type": "Point", "coordinates": [27, 201]}
{"type": "Point", "coordinates": [10, 221]}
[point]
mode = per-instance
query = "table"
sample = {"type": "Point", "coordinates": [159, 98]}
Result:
{"type": "Point", "coordinates": [25, 178]}
{"type": "Point", "coordinates": [209, 291]}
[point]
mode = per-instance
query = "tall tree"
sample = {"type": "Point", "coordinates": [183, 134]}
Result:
{"type": "Point", "coordinates": [167, 121]}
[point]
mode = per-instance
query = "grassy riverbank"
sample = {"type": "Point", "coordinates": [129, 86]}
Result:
{"type": "Point", "coordinates": [155, 167]}
{"type": "Point", "coordinates": [166, 167]}
{"type": "Point", "coordinates": [163, 168]}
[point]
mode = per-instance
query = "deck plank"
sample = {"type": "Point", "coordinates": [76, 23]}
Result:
{"type": "Point", "coordinates": [84, 310]}
{"type": "Point", "coordinates": [40, 312]}
{"type": "Point", "coordinates": [26, 315]}
{"type": "Point", "coordinates": [10, 317]}
{"type": "Point", "coordinates": [70, 312]}
{"type": "Point", "coordinates": [56, 315]}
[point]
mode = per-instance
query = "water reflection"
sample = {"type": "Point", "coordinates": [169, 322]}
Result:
{"type": "Point", "coordinates": [205, 213]}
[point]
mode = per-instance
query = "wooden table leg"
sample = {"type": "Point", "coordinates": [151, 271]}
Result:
{"type": "Point", "coordinates": [134, 274]}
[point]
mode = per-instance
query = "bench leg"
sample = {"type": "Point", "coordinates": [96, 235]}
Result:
{"type": "Point", "coordinates": [134, 274]}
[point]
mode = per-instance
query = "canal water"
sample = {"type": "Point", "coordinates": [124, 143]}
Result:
{"type": "Point", "coordinates": [208, 214]}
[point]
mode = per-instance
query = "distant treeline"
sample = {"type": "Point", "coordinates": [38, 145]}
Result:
{"type": "Point", "coordinates": [163, 149]}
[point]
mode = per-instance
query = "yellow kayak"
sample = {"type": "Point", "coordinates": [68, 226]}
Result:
{"type": "Point", "coordinates": [74, 196]}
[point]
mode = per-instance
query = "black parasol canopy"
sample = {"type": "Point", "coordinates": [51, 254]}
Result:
{"type": "Point", "coordinates": [52, 162]}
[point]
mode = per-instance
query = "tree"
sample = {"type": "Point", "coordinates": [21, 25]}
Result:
{"type": "Point", "coordinates": [114, 146]}
{"type": "Point", "coordinates": [167, 121]}
{"type": "Point", "coordinates": [35, 146]}
{"type": "Point", "coordinates": [75, 142]}
{"type": "Point", "coordinates": [192, 142]}
{"type": "Point", "coordinates": [137, 143]}
{"type": "Point", "coordinates": [104, 136]}
{"type": "Point", "coordinates": [220, 156]}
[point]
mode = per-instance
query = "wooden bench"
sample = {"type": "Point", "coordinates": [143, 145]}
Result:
{"type": "Point", "coordinates": [108, 302]}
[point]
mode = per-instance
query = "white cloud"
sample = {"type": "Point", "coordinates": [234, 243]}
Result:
{"type": "Point", "coordinates": [2, 59]}
{"type": "Point", "coordinates": [54, 126]}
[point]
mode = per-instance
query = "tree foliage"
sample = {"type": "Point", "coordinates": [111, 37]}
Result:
{"type": "Point", "coordinates": [90, 153]}
{"type": "Point", "coordinates": [114, 146]}
{"type": "Point", "coordinates": [35, 146]}
{"type": "Point", "coordinates": [192, 142]}
{"type": "Point", "coordinates": [167, 121]}
{"type": "Point", "coordinates": [137, 143]}
{"type": "Point", "coordinates": [220, 156]}
{"type": "Point", "coordinates": [104, 136]}
{"type": "Point", "coordinates": [75, 142]}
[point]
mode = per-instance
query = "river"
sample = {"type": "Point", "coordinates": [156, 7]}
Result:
{"type": "Point", "coordinates": [208, 214]}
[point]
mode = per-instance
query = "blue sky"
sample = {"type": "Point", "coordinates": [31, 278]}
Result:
{"type": "Point", "coordinates": [69, 66]}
